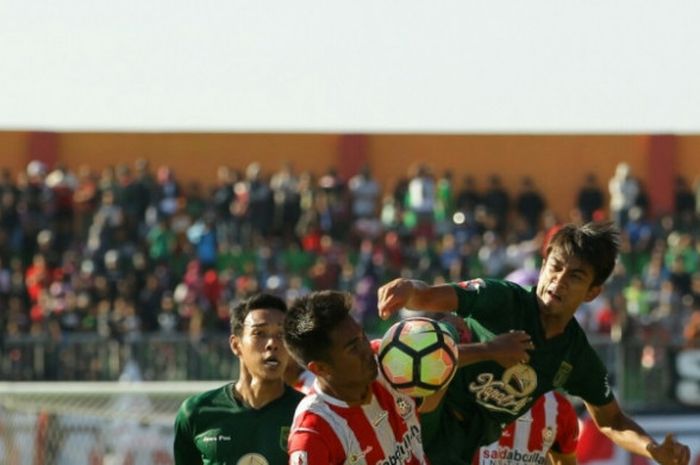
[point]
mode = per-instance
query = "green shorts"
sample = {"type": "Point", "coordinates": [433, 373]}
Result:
{"type": "Point", "coordinates": [451, 438]}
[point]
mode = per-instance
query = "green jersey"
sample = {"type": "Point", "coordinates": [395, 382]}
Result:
{"type": "Point", "coordinates": [215, 428]}
{"type": "Point", "coordinates": [484, 397]}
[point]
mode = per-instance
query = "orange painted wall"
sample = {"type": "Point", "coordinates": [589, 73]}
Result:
{"type": "Point", "coordinates": [688, 158]}
{"type": "Point", "coordinates": [13, 146]}
{"type": "Point", "coordinates": [557, 163]}
{"type": "Point", "coordinates": [196, 156]}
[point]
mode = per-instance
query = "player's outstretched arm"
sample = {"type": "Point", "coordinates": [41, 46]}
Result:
{"type": "Point", "coordinates": [415, 295]}
{"type": "Point", "coordinates": [626, 433]}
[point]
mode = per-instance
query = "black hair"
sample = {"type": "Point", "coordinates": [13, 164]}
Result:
{"type": "Point", "coordinates": [310, 321]}
{"type": "Point", "coordinates": [596, 243]}
{"type": "Point", "coordinates": [240, 311]}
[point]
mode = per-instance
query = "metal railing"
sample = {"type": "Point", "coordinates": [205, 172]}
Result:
{"type": "Point", "coordinates": [90, 357]}
{"type": "Point", "coordinates": [642, 380]}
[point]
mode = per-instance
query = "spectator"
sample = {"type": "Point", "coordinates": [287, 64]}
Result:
{"type": "Point", "coordinates": [497, 203]}
{"type": "Point", "coordinates": [202, 235]}
{"type": "Point", "coordinates": [85, 200]}
{"type": "Point", "coordinates": [166, 191]}
{"type": "Point", "coordinates": [420, 200]}
{"type": "Point", "coordinates": [468, 197]}
{"type": "Point", "coordinates": [444, 201]}
{"type": "Point", "coordinates": [590, 198]}
{"type": "Point", "coordinates": [530, 205]}
{"type": "Point", "coordinates": [261, 204]}
{"type": "Point", "coordinates": [684, 204]}
{"type": "Point", "coordinates": [624, 191]}
{"type": "Point", "coordinates": [287, 207]}
{"type": "Point", "coordinates": [364, 192]}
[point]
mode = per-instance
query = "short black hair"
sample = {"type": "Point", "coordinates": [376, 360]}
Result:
{"type": "Point", "coordinates": [309, 322]}
{"type": "Point", "coordinates": [240, 311]}
{"type": "Point", "coordinates": [596, 243]}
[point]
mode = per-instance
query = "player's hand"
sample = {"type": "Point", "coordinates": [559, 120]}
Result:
{"type": "Point", "coordinates": [670, 452]}
{"type": "Point", "coordinates": [511, 348]}
{"type": "Point", "coordinates": [393, 296]}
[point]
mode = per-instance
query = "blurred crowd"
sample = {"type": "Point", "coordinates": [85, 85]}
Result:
{"type": "Point", "coordinates": [132, 250]}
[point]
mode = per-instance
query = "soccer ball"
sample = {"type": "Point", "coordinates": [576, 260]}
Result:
{"type": "Point", "coordinates": [418, 356]}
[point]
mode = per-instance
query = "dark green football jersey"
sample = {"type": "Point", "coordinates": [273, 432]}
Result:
{"type": "Point", "coordinates": [484, 397]}
{"type": "Point", "coordinates": [215, 428]}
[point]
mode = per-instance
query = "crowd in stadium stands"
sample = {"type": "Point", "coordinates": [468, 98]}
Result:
{"type": "Point", "coordinates": [131, 250]}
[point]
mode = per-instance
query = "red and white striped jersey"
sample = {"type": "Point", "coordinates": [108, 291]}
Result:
{"type": "Point", "coordinates": [326, 431]}
{"type": "Point", "coordinates": [551, 423]}
{"type": "Point", "coordinates": [305, 382]}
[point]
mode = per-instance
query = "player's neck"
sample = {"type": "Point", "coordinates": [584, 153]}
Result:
{"type": "Point", "coordinates": [351, 395]}
{"type": "Point", "coordinates": [553, 325]}
{"type": "Point", "coordinates": [258, 392]}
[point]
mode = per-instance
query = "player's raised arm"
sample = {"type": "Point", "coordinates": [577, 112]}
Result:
{"type": "Point", "coordinates": [626, 433]}
{"type": "Point", "coordinates": [415, 295]}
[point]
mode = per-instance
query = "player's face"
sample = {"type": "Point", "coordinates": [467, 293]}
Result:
{"type": "Point", "coordinates": [565, 282]}
{"type": "Point", "coordinates": [259, 347]}
{"type": "Point", "coordinates": [352, 360]}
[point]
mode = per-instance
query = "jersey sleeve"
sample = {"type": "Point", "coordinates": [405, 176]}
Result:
{"type": "Point", "coordinates": [589, 380]}
{"type": "Point", "coordinates": [567, 426]}
{"type": "Point", "coordinates": [307, 448]}
{"type": "Point", "coordinates": [485, 299]}
{"type": "Point", "coordinates": [184, 449]}
{"type": "Point", "coordinates": [313, 442]}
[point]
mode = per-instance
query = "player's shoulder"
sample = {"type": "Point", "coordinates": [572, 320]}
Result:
{"type": "Point", "coordinates": [559, 397]}
{"type": "Point", "coordinates": [563, 403]}
{"type": "Point", "coordinates": [292, 395]}
{"type": "Point", "coordinates": [488, 285]}
{"type": "Point", "coordinates": [316, 416]}
{"type": "Point", "coordinates": [204, 399]}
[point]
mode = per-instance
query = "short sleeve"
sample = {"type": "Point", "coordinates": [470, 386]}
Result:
{"type": "Point", "coordinates": [308, 449]}
{"type": "Point", "coordinates": [184, 448]}
{"type": "Point", "coordinates": [313, 442]}
{"type": "Point", "coordinates": [590, 378]}
{"type": "Point", "coordinates": [486, 299]}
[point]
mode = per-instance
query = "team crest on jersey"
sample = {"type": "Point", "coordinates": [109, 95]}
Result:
{"type": "Point", "coordinates": [548, 435]}
{"type": "Point", "coordinates": [509, 394]}
{"type": "Point", "coordinates": [473, 284]}
{"type": "Point", "coordinates": [298, 457]}
{"type": "Point", "coordinates": [403, 407]}
{"type": "Point", "coordinates": [520, 380]}
{"type": "Point", "coordinates": [562, 374]}
{"type": "Point", "coordinates": [252, 459]}
{"type": "Point", "coordinates": [284, 435]}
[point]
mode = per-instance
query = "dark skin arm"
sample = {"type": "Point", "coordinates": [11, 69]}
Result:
{"type": "Point", "coordinates": [414, 295]}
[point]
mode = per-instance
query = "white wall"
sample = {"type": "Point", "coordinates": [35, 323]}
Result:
{"type": "Point", "coordinates": [377, 66]}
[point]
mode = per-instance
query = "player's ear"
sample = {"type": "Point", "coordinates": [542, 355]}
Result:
{"type": "Point", "coordinates": [235, 344]}
{"type": "Point", "coordinates": [317, 367]}
{"type": "Point", "coordinates": [593, 292]}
